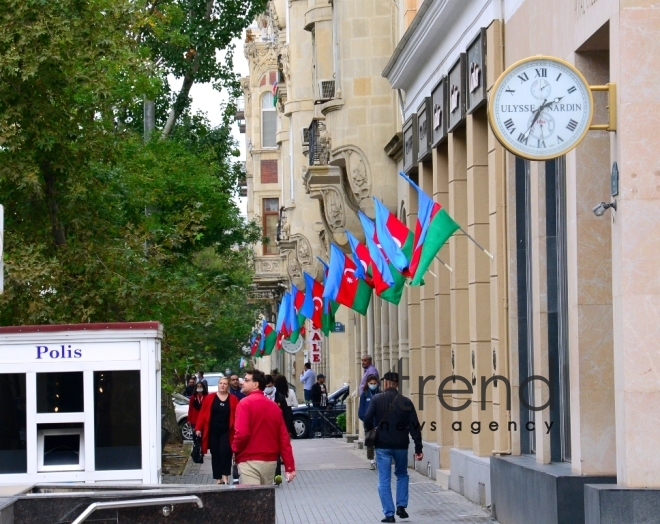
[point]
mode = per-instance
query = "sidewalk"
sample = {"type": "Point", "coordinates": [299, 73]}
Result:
{"type": "Point", "coordinates": [335, 485]}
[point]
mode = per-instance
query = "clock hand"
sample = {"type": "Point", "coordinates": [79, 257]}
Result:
{"type": "Point", "coordinates": [536, 117]}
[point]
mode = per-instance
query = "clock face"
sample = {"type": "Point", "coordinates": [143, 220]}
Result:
{"type": "Point", "coordinates": [540, 108]}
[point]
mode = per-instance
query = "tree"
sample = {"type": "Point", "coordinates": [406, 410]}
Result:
{"type": "Point", "coordinates": [185, 38]}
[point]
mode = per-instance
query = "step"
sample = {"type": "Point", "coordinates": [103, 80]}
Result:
{"type": "Point", "coordinates": [442, 477]}
{"type": "Point", "coordinates": [350, 438]}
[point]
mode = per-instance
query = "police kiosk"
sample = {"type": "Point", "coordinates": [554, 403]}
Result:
{"type": "Point", "coordinates": [80, 403]}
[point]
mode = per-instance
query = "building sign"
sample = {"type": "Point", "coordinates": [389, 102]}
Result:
{"type": "Point", "coordinates": [456, 83]}
{"type": "Point", "coordinates": [425, 131]}
{"type": "Point", "coordinates": [439, 108]}
{"type": "Point", "coordinates": [410, 143]}
{"type": "Point", "coordinates": [63, 352]}
{"type": "Point", "coordinates": [476, 72]}
{"type": "Point", "coordinates": [339, 328]}
{"type": "Point", "coordinates": [315, 346]}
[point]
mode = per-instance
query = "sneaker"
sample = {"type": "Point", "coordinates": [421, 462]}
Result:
{"type": "Point", "coordinates": [372, 465]}
{"type": "Point", "coordinates": [389, 519]}
{"type": "Point", "coordinates": [401, 512]}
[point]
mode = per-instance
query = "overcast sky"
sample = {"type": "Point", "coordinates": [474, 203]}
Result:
{"type": "Point", "coordinates": [209, 100]}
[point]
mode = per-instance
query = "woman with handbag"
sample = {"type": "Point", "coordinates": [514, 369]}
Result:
{"type": "Point", "coordinates": [370, 389]}
{"type": "Point", "coordinates": [215, 426]}
{"type": "Point", "coordinates": [196, 401]}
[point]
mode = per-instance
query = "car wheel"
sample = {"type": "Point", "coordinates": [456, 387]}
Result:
{"type": "Point", "coordinates": [301, 426]}
{"type": "Point", "coordinates": [186, 430]}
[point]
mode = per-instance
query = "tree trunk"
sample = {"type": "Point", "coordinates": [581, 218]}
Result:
{"type": "Point", "coordinates": [169, 420]}
{"type": "Point", "coordinates": [58, 229]}
{"type": "Point", "coordinates": [188, 81]}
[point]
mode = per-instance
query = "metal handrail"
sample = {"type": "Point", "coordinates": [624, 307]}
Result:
{"type": "Point", "coordinates": [185, 499]}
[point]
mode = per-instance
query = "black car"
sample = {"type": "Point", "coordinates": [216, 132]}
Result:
{"type": "Point", "coordinates": [324, 420]}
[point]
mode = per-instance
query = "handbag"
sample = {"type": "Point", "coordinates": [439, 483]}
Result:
{"type": "Point", "coordinates": [371, 435]}
{"type": "Point", "coordinates": [196, 453]}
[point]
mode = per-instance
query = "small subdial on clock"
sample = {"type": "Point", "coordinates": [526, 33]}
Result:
{"type": "Point", "coordinates": [543, 127]}
{"type": "Point", "coordinates": [541, 89]}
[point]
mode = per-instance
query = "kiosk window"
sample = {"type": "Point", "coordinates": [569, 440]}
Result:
{"type": "Point", "coordinates": [13, 455]}
{"type": "Point", "coordinates": [117, 428]}
{"type": "Point", "coordinates": [60, 392]}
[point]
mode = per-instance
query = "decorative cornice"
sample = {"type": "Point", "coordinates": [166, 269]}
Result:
{"type": "Point", "coordinates": [394, 148]}
{"type": "Point", "coordinates": [332, 105]}
{"type": "Point", "coordinates": [317, 14]}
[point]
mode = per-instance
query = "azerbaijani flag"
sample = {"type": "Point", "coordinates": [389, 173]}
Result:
{"type": "Point", "coordinates": [274, 91]}
{"type": "Point", "coordinates": [395, 280]}
{"type": "Point", "coordinates": [268, 338]}
{"type": "Point", "coordinates": [343, 286]}
{"type": "Point", "coordinates": [291, 318]}
{"type": "Point", "coordinates": [312, 307]}
{"type": "Point", "coordinates": [281, 327]}
{"type": "Point", "coordinates": [378, 273]}
{"type": "Point", "coordinates": [395, 239]}
{"type": "Point", "coordinates": [330, 307]}
{"type": "Point", "coordinates": [298, 301]}
{"type": "Point", "coordinates": [254, 344]}
{"type": "Point", "coordinates": [433, 229]}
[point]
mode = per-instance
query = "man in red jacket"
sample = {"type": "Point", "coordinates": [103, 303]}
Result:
{"type": "Point", "coordinates": [260, 435]}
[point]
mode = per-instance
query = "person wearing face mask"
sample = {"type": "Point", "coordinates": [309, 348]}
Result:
{"type": "Point", "coordinates": [196, 400]}
{"type": "Point", "coordinates": [269, 390]}
{"type": "Point", "coordinates": [369, 390]}
{"type": "Point", "coordinates": [216, 427]}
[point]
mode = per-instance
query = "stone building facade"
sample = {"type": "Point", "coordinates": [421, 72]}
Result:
{"type": "Point", "coordinates": [368, 88]}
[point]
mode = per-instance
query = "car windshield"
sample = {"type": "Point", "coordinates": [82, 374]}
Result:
{"type": "Point", "coordinates": [340, 394]}
{"type": "Point", "coordinates": [212, 381]}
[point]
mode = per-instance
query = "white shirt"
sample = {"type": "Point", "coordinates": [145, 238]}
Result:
{"type": "Point", "coordinates": [291, 399]}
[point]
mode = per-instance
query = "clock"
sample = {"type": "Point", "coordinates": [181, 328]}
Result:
{"type": "Point", "coordinates": [540, 108]}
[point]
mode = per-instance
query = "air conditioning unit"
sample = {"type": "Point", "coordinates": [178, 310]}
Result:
{"type": "Point", "coordinates": [326, 89]}
{"type": "Point", "coordinates": [305, 136]}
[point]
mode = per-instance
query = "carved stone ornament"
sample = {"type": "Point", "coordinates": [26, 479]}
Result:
{"type": "Point", "coordinates": [327, 184]}
{"type": "Point", "coordinates": [270, 266]}
{"type": "Point", "coordinates": [269, 23]}
{"type": "Point", "coordinates": [285, 227]}
{"type": "Point", "coordinates": [324, 144]}
{"type": "Point", "coordinates": [358, 173]}
{"type": "Point", "coordinates": [285, 60]}
{"type": "Point", "coordinates": [299, 256]}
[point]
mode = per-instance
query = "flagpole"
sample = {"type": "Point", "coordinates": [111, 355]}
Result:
{"type": "Point", "coordinates": [440, 260]}
{"type": "Point", "coordinates": [476, 243]}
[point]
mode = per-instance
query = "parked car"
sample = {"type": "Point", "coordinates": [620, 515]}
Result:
{"type": "Point", "coordinates": [212, 380]}
{"type": "Point", "coordinates": [326, 418]}
{"type": "Point", "coordinates": [181, 404]}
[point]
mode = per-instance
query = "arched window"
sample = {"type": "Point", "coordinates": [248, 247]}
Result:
{"type": "Point", "coordinates": [268, 121]}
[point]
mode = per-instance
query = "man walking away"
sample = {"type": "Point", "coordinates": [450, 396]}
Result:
{"type": "Point", "coordinates": [396, 418]}
{"type": "Point", "coordinates": [235, 387]}
{"type": "Point", "coordinates": [368, 368]}
{"type": "Point", "coordinates": [260, 435]}
{"type": "Point", "coordinates": [308, 378]}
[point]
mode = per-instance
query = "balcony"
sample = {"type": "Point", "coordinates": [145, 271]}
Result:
{"type": "Point", "coordinates": [242, 180]}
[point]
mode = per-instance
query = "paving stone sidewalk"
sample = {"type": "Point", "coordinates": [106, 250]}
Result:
{"type": "Point", "coordinates": [335, 485]}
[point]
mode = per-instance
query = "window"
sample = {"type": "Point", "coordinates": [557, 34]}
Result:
{"type": "Point", "coordinates": [268, 121]}
{"type": "Point", "coordinates": [271, 218]}
{"type": "Point", "coordinates": [13, 456]}
{"type": "Point", "coordinates": [117, 426]}
{"type": "Point", "coordinates": [60, 392]}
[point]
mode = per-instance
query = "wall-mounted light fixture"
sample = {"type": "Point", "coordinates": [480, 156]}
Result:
{"type": "Point", "coordinates": [600, 209]}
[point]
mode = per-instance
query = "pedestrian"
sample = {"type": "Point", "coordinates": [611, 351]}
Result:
{"type": "Point", "coordinates": [269, 390]}
{"type": "Point", "coordinates": [235, 386]}
{"type": "Point", "coordinates": [190, 388]}
{"type": "Point", "coordinates": [320, 392]}
{"type": "Point", "coordinates": [282, 400]}
{"type": "Point", "coordinates": [282, 386]}
{"type": "Point", "coordinates": [216, 426]}
{"type": "Point", "coordinates": [308, 378]}
{"type": "Point", "coordinates": [200, 378]}
{"type": "Point", "coordinates": [261, 435]}
{"type": "Point", "coordinates": [370, 389]}
{"type": "Point", "coordinates": [368, 368]}
{"type": "Point", "coordinates": [196, 403]}
{"type": "Point", "coordinates": [395, 418]}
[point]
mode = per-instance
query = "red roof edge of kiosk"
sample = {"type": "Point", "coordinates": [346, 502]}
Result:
{"type": "Point", "coordinates": [101, 326]}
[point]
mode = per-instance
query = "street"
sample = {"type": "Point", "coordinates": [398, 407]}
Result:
{"type": "Point", "coordinates": [334, 484]}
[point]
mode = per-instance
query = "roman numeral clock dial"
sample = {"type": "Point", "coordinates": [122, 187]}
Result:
{"type": "Point", "coordinates": [540, 108]}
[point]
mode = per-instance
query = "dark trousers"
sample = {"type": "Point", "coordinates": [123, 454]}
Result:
{"type": "Point", "coordinates": [220, 454]}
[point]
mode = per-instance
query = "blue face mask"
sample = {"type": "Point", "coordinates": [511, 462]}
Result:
{"type": "Point", "coordinates": [373, 387]}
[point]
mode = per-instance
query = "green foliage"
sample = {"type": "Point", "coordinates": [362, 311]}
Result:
{"type": "Point", "coordinates": [341, 421]}
{"type": "Point", "coordinates": [101, 226]}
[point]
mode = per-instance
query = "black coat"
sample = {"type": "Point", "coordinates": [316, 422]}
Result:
{"type": "Point", "coordinates": [317, 395]}
{"type": "Point", "coordinates": [287, 412]}
{"type": "Point", "coordinates": [396, 418]}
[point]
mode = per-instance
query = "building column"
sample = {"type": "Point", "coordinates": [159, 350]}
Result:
{"type": "Point", "coordinates": [479, 277]}
{"type": "Point", "coordinates": [459, 299]}
{"type": "Point", "coordinates": [443, 311]}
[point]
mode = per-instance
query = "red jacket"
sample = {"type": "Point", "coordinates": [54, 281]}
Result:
{"type": "Point", "coordinates": [193, 413]}
{"type": "Point", "coordinates": [204, 419]}
{"type": "Point", "coordinates": [260, 432]}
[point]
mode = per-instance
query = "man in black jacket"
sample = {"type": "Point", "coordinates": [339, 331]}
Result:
{"type": "Point", "coordinates": [397, 419]}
